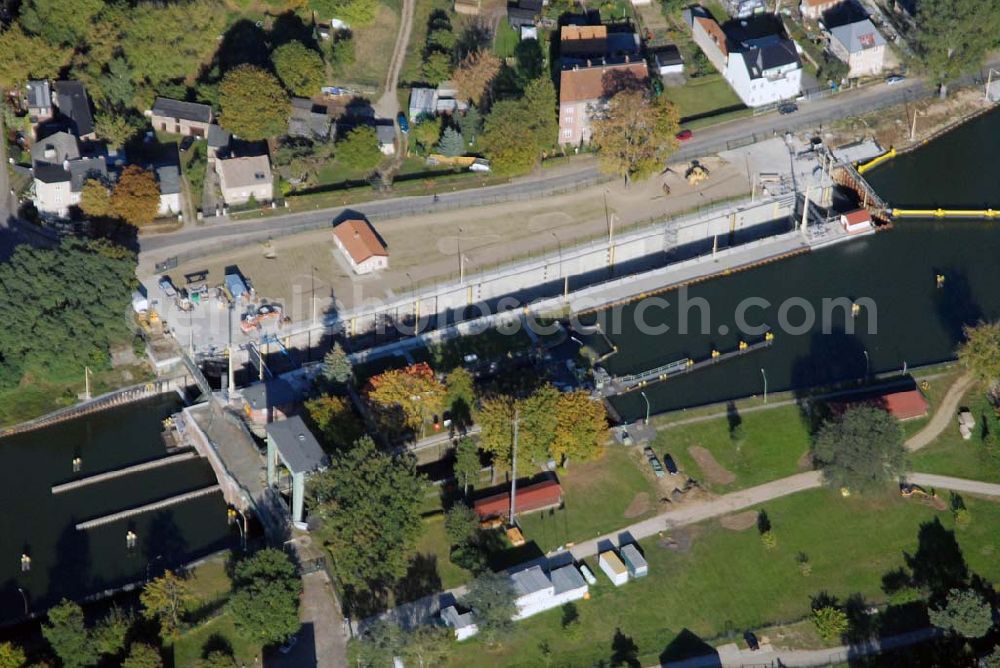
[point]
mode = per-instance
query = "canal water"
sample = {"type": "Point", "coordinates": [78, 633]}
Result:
{"type": "Point", "coordinates": [66, 562]}
{"type": "Point", "coordinates": [918, 321]}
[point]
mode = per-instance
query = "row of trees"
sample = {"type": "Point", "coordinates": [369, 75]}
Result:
{"type": "Point", "coordinates": [552, 425]}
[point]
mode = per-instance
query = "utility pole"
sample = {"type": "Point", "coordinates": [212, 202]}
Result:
{"type": "Point", "coordinates": [513, 472]}
{"type": "Point", "coordinates": [86, 383]}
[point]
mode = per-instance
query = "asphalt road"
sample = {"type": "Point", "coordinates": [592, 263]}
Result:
{"type": "Point", "coordinates": [811, 114]}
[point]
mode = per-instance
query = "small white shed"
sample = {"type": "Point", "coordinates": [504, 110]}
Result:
{"type": "Point", "coordinates": [460, 621]}
{"type": "Point", "coordinates": [634, 561]}
{"type": "Point", "coordinates": [613, 567]}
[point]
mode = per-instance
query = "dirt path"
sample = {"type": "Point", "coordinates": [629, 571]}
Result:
{"type": "Point", "coordinates": [944, 416]}
{"type": "Point", "coordinates": [388, 105]}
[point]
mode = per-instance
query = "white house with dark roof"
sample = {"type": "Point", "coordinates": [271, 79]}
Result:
{"type": "Point", "coordinates": [181, 118]}
{"type": "Point", "coordinates": [59, 172]}
{"type": "Point", "coordinates": [861, 46]}
{"type": "Point", "coordinates": [168, 177]}
{"type": "Point", "coordinates": [762, 67]}
{"type": "Point", "coordinates": [765, 70]}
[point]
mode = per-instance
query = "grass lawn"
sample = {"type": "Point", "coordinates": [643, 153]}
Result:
{"type": "Point", "coordinates": [596, 495]}
{"type": "Point", "coordinates": [949, 454]}
{"type": "Point", "coordinates": [702, 96]}
{"type": "Point", "coordinates": [773, 445]}
{"type": "Point", "coordinates": [211, 587]}
{"type": "Point", "coordinates": [505, 40]}
{"type": "Point", "coordinates": [727, 581]}
{"type": "Point", "coordinates": [433, 543]}
{"type": "Point", "coordinates": [188, 648]}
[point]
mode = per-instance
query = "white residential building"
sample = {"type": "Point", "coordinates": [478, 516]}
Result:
{"type": "Point", "coordinates": [861, 46]}
{"type": "Point", "coordinates": [762, 70]}
{"type": "Point", "coordinates": [59, 173]}
{"type": "Point", "coordinates": [537, 592]}
{"type": "Point", "coordinates": [243, 178]}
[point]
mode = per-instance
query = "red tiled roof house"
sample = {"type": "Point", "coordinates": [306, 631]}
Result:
{"type": "Point", "coordinates": [583, 90]}
{"type": "Point", "coordinates": [361, 247]}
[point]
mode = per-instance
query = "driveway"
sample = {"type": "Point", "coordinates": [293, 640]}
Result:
{"type": "Point", "coordinates": [388, 105]}
{"type": "Point", "coordinates": [321, 640]}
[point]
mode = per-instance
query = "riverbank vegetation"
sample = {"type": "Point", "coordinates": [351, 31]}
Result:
{"type": "Point", "coordinates": [68, 309]}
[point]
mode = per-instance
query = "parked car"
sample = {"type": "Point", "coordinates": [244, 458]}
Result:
{"type": "Point", "coordinates": [751, 641]}
{"type": "Point", "coordinates": [404, 123]}
{"type": "Point", "coordinates": [654, 462]}
{"type": "Point", "coordinates": [895, 79]}
{"type": "Point", "coordinates": [187, 143]}
{"type": "Point", "coordinates": [167, 286]}
{"type": "Point", "coordinates": [684, 135]}
{"type": "Point", "coordinates": [788, 108]}
{"type": "Point", "coordinates": [669, 462]}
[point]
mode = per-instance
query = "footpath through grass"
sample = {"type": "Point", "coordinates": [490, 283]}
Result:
{"type": "Point", "coordinates": [950, 454]}
{"type": "Point", "coordinates": [726, 581]}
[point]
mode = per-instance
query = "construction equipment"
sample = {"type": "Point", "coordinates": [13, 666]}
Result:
{"type": "Point", "coordinates": [148, 320]}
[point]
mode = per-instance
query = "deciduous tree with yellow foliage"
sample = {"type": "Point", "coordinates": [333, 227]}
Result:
{"type": "Point", "coordinates": [581, 429]}
{"type": "Point", "coordinates": [636, 134]}
{"type": "Point", "coordinates": [403, 398]}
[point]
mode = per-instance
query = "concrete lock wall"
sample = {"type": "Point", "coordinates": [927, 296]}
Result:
{"type": "Point", "coordinates": [482, 287]}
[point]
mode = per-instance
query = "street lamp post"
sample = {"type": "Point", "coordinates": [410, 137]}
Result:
{"type": "Point", "coordinates": [643, 393]}
{"type": "Point", "coordinates": [24, 597]}
{"type": "Point", "coordinates": [764, 376]}
{"type": "Point", "coordinates": [461, 263]}
{"type": "Point", "coordinates": [867, 362]}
